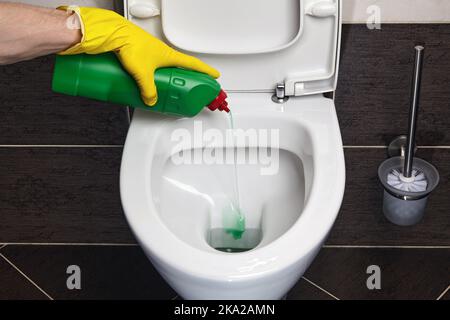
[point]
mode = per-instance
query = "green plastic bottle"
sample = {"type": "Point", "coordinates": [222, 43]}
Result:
{"type": "Point", "coordinates": [180, 92]}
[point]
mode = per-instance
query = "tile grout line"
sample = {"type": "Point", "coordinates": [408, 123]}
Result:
{"type": "Point", "coordinates": [433, 147]}
{"type": "Point", "coordinates": [61, 146]}
{"type": "Point", "coordinates": [398, 22]}
{"type": "Point", "coordinates": [25, 276]}
{"type": "Point", "coordinates": [382, 247]}
{"type": "Point", "coordinates": [121, 146]}
{"type": "Point", "coordinates": [71, 244]}
{"type": "Point", "coordinates": [385, 147]}
{"type": "Point", "coordinates": [443, 293]}
{"type": "Point", "coordinates": [320, 288]}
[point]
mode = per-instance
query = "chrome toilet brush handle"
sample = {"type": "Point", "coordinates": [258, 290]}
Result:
{"type": "Point", "coordinates": [413, 112]}
{"type": "Point", "coordinates": [406, 193]}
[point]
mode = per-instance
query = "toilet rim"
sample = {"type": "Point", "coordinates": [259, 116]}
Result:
{"type": "Point", "coordinates": [155, 237]}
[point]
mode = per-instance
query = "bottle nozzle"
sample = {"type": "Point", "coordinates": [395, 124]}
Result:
{"type": "Point", "coordinates": [220, 103]}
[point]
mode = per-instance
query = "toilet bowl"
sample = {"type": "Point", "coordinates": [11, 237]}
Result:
{"type": "Point", "coordinates": [280, 159]}
{"type": "Point", "coordinates": [169, 205]}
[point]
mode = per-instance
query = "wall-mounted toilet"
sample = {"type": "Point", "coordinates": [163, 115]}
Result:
{"type": "Point", "coordinates": [173, 206]}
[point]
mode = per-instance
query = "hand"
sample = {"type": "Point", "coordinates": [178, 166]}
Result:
{"type": "Point", "coordinates": [139, 52]}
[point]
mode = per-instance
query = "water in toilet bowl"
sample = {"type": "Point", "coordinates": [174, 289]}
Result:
{"type": "Point", "coordinates": [223, 241]}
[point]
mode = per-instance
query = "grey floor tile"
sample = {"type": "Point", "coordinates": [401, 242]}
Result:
{"type": "Point", "coordinates": [61, 195]}
{"type": "Point", "coordinates": [361, 221]}
{"type": "Point", "coordinates": [421, 274]}
{"type": "Point", "coordinates": [32, 114]}
{"type": "Point", "coordinates": [106, 272]}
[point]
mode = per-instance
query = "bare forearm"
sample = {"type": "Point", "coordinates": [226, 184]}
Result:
{"type": "Point", "coordinates": [27, 32]}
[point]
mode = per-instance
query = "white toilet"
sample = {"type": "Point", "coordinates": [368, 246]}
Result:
{"type": "Point", "coordinates": [290, 200]}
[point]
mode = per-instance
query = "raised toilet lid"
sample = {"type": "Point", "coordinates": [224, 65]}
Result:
{"type": "Point", "coordinates": [256, 44]}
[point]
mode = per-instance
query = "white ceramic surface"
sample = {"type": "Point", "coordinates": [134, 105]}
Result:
{"type": "Point", "coordinates": [169, 212]}
{"type": "Point", "coordinates": [281, 41]}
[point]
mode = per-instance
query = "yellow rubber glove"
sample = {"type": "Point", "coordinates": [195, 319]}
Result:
{"type": "Point", "coordinates": [139, 52]}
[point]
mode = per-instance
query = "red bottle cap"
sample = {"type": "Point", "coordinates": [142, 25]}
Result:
{"type": "Point", "coordinates": [220, 103]}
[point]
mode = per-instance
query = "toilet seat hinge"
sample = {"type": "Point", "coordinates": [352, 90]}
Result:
{"type": "Point", "coordinates": [280, 94]}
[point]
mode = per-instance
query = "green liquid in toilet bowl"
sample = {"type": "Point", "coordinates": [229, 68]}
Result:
{"type": "Point", "coordinates": [233, 222]}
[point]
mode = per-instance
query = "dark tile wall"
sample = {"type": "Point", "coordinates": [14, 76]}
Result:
{"type": "Point", "coordinates": [375, 81]}
{"type": "Point", "coordinates": [32, 114]}
{"type": "Point", "coordinates": [61, 195]}
{"type": "Point", "coordinates": [60, 205]}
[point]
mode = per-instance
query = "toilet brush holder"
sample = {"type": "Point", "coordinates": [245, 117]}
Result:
{"type": "Point", "coordinates": [408, 181]}
{"type": "Point", "coordinates": [406, 208]}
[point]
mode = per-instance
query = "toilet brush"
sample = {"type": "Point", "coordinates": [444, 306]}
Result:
{"type": "Point", "coordinates": [407, 180]}
{"type": "Point", "coordinates": [410, 179]}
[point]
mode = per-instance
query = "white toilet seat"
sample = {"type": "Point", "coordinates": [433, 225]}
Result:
{"type": "Point", "coordinates": [315, 115]}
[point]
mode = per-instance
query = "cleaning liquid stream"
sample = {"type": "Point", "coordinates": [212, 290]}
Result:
{"type": "Point", "coordinates": [234, 221]}
{"type": "Point", "coordinates": [234, 236]}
